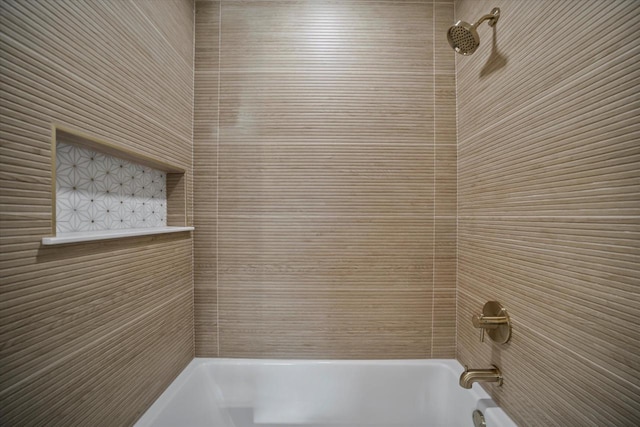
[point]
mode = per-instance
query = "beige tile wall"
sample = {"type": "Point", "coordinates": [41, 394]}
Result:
{"type": "Point", "coordinates": [91, 333]}
{"type": "Point", "coordinates": [335, 213]}
{"type": "Point", "coordinates": [549, 207]}
{"type": "Point", "coordinates": [336, 157]}
{"type": "Point", "coordinates": [205, 155]}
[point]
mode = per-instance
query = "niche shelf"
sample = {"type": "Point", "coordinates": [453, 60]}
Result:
{"type": "Point", "coordinates": [101, 191]}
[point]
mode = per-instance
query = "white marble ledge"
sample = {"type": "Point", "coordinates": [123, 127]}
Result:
{"type": "Point", "coordinates": [88, 236]}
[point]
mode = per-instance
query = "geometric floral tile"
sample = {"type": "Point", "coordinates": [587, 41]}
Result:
{"type": "Point", "coordinates": [96, 191]}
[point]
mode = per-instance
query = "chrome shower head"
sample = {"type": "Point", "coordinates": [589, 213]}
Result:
{"type": "Point", "coordinates": [463, 36]}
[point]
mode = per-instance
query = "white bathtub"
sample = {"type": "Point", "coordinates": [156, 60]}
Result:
{"type": "Point", "coordinates": [276, 393]}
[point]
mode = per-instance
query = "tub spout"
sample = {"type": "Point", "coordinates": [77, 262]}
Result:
{"type": "Point", "coordinates": [470, 376]}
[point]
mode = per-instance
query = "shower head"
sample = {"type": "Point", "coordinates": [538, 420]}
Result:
{"type": "Point", "coordinates": [463, 36]}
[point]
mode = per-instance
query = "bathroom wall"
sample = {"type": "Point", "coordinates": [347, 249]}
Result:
{"type": "Point", "coordinates": [205, 152]}
{"type": "Point", "coordinates": [549, 208]}
{"type": "Point", "coordinates": [332, 207]}
{"type": "Point", "coordinates": [91, 333]}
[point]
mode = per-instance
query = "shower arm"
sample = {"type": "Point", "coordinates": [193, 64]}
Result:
{"type": "Point", "coordinates": [492, 17]}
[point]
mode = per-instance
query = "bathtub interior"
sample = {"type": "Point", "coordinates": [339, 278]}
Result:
{"type": "Point", "coordinates": [270, 393]}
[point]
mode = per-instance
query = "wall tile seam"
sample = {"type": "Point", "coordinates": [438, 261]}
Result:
{"type": "Point", "coordinates": [218, 177]}
{"type": "Point", "coordinates": [457, 281]}
{"type": "Point", "coordinates": [325, 143]}
{"type": "Point", "coordinates": [435, 174]}
{"type": "Point", "coordinates": [198, 119]}
{"type": "Point", "coordinates": [355, 71]}
{"type": "Point", "coordinates": [566, 217]}
{"type": "Point", "coordinates": [193, 195]}
{"type": "Point", "coordinates": [415, 217]}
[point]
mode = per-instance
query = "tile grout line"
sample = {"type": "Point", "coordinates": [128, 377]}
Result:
{"type": "Point", "coordinates": [433, 231]}
{"type": "Point", "coordinates": [193, 184]}
{"type": "Point", "coordinates": [218, 178]}
{"type": "Point", "coordinates": [327, 71]}
{"type": "Point", "coordinates": [417, 216]}
{"type": "Point", "coordinates": [568, 217]}
{"type": "Point", "coordinates": [455, 75]}
{"type": "Point", "coordinates": [295, 142]}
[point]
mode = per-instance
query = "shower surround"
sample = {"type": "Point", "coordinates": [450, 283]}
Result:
{"type": "Point", "coordinates": [332, 195]}
{"type": "Point", "coordinates": [329, 228]}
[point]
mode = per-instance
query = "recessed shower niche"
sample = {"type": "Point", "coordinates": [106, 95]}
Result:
{"type": "Point", "coordinates": [101, 191]}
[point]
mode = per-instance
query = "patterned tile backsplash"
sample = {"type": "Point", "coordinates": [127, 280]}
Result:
{"type": "Point", "coordinates": [96, 191]}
